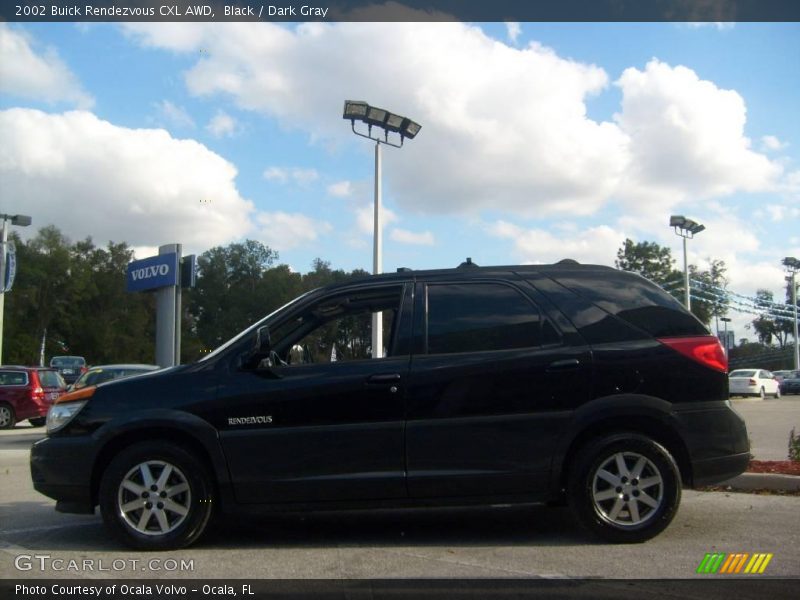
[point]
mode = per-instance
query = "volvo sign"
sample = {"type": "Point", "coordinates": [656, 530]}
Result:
{"type": "Point", "coordinates": [154, 272]}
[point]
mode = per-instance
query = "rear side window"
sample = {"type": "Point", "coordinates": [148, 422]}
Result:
{"type": "Point", "coordinates": [637, 302]}
{"type": "Point", "coordinates": [475, 317]}
{"type": "Point", "coordinates": [742, 373]}
{"type": "Point", "coordinates": [13, 378]}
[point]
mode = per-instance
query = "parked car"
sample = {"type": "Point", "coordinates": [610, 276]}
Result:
{"type": "Point", "coordinates": [791, 383]}
{"type": "Point", "coordinates": [781, 375]}
{"type": "Point", "coordinates": [69, 367]}
{"type": "Point", "coordinates": [493, 385]}
{"type": "Point", "coordinates": [27, 393]}
{"type": "Point", "coordinates": [753, 382]}
{"type": "Point", "coordinates": [102, 373]}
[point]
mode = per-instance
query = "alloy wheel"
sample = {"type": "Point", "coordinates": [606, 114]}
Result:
{"type": "Point", "coordinates": [154, 498]}
{"type": "Point", "coordinates": [627, 489]}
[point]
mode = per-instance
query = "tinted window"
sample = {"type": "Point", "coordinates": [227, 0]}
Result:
{"type": "Point", "coordinates": [13, 378]}
{"type": "Point", "coordinates": [67, 361]}
{"type": "Point", "coordinates": [743, 373]}
{"type": "Point", "coordinates": [636, 301]}
{"type": "Point", "coordinates": [482, 316]}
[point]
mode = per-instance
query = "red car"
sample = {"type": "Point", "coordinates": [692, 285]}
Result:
{"type": "Point", "coordinates": [27, 393]}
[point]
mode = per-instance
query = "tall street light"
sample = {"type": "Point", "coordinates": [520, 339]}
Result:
{"type": "Point", "coordinates": [687, 229]}
{"type": "Point", "coordinates": [793, 265]}
{"type": "Point", "coordinates": [725, 320]}
{"type": "Point", "coordinates": [401, 128]}
{"type": "Point", "coordinates": [21, 221]}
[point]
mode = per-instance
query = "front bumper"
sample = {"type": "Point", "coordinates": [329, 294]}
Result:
{"type": "Point", "coordinates": [61, 468]}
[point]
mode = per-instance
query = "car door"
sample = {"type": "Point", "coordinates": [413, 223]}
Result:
{"type": "Point", "coordinates": [489, 391]}
{"type": "Point", "coordinates": [326, 424]}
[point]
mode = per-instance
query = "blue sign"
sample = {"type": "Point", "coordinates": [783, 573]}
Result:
{"type": "Point", "coordinates": [154, 272]}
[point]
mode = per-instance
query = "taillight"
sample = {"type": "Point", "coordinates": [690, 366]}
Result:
{"type": "Point", "coordinates": [37, 394]}
{"type": "Point", "coordinates": [752, 382]}
{"type": "Point", "coordinates": [706, 350]}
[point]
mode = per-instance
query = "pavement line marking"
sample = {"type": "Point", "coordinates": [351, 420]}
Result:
{"type": "Point", "coordinates": [44, 528]}
{"type": "Point", "coordinates": [476, 565]}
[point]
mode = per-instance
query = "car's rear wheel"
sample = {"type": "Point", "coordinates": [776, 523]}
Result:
{"type": "Point", "coordinates": [7, 417]}
{"type": "Point", "coordinates": [624, 488]}
{"type": "Point", "coordinates": [762, 393]}
{"type": "Point", "coordinates": [156, 496]}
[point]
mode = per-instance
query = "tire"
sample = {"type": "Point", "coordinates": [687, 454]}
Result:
{"type": "Point", "coordinates": [777, 394]}
{"type": "Point", "coordinates": [7, 417]}
{"type": "Point", "coordinates": [762, 393]}
{"type": "Point", "coordinates": [137, 516]}
{"type": "Point", "coordinates": [37, 421]}
{"type": "Point", "coordinates": [608, 500]}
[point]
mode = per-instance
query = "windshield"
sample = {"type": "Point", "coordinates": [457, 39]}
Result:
{"type": "Point", "coordinates": [250, 330]}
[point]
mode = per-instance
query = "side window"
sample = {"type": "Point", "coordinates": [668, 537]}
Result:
{"type": "Point", "coordinates": [339, 329]}
{"type": "Point", "coordinates": [474, 317]}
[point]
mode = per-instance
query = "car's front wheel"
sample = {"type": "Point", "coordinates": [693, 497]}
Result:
{"type": "Point", "coordinates": [156, 496]}
{"type": "Point", "coordinates": [624, 488]}
{"type": "Point", "coordinates": [37, 421]}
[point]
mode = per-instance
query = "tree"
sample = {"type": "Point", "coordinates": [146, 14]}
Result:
{"type": "Point", "coordinates": [648, 259]}
{"type": "Point", "coordinates": [709, 298]}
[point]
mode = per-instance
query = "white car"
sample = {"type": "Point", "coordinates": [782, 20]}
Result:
{"type": "Point", "coordinates": [753, 382]}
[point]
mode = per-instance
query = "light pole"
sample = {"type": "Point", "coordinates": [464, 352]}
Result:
{"type": "Point", "coordinates": [405, 128]}
{"type": "Point", "coordinates": [725, 320]}
{"type": "Point", "coordinates": [687, 229]}
{"type": "Point", "coordinates": [21, 221]}
{"type": "Point", "coordinates": [791, 263]}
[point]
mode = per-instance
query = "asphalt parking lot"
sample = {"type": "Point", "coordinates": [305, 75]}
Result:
{"type": "Point", "coordinates": [505, 542]}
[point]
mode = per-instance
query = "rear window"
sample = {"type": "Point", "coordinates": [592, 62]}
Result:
{"type": "Point", "coordinates": [637, 302]}
{"type": "Point", "coordinates": [67, 361]}
{"type": "Point", "coordinates": [743, 373]}
{"type": "Point", "coordinates": [13, 378]}
{"type": "Point", "coordinates": [50, 379]}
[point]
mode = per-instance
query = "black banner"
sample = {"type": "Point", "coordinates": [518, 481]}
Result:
{"type": "Point", "coordinates": [401, 10]}
{"type": "Point", "coordinates": [741, 588]}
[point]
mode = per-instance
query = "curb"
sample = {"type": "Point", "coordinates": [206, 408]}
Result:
{"type": "Point", "coordinates": [763, 481]}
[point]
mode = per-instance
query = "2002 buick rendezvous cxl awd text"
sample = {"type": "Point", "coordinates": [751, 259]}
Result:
{"type": "Point", "coordinates": [494, 385]}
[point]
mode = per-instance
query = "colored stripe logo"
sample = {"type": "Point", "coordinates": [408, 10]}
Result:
{"type": "Point", "coordinates": [737, 563]}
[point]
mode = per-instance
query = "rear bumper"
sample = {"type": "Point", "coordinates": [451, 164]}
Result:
{"type": "Point", "coordinates": [716, 440]}
{"type": "Point", "coordinates": [714, 470]}
{"type": "Point", "coordinates": [61, 468]}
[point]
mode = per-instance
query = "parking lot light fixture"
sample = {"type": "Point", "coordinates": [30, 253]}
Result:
{"type": "Point", "coordinates": [687, 229]}
{"type": "Point", "coordinates": [793, 265]}
{"type": "Point", "coordinates": [19, 221]}
{"type": "Point", "coordinates": [398, 126]}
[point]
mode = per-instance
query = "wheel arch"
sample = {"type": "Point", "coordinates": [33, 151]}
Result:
{"type": "Point", "coordinates": [182, 429]}
{"type": "Point", "coordinates": [644, 415]}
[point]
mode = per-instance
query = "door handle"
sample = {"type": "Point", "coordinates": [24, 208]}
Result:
{"type": "Point", "coordinates": [563, 365]}
{"type": "Point", "coordinates": [384, 378]}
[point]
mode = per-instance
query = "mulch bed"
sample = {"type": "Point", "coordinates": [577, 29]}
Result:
{"type": "Point", "coordinates": [783, 467]}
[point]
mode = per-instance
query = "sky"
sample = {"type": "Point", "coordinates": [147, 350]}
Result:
{"type": "Point", "coordinates": [539, 141]}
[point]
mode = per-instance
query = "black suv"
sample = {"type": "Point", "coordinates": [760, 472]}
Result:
{"type": "Point", "coordinates": [492, 385]}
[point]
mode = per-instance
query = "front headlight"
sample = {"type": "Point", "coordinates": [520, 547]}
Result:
{"type": "Point", "coordinates": [61, 414]}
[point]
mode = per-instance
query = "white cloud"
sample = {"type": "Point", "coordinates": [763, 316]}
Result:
{"type": "Point", "coordinates": [513, 30]}
{"type": "Point", "coordinates": [770, 143]}
{"type": "Point", "coordinates": [141, 186]}
{"type": "Point", "coordinates": [503, 128]}
{"type": "Point", "coordinates": [365, 218]}
{"type": "Point", "coordinates": [404, 236]}
{"type": "Point", "coordinates": [173, 114]}
{"type": "Point", "coordinates": [686, 139]}
{"type": "Point", "coordinates": [595, 245]}
{"type": "Point", "coordinates": [341, 189]}
{"type": "Point", "coordinates": [222, 125]}
{"type": "Point", "coordinates": [283, 231]}
{"type": "Point", "coordinates": [285, 175]}
{"type": "Point", "coordinates": [36, 75]}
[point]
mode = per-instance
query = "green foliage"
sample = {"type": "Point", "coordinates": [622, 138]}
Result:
{"type": "Point", "coordinates": [794, 446]}
{"type": "Point", "coordinates": [648, 259]}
